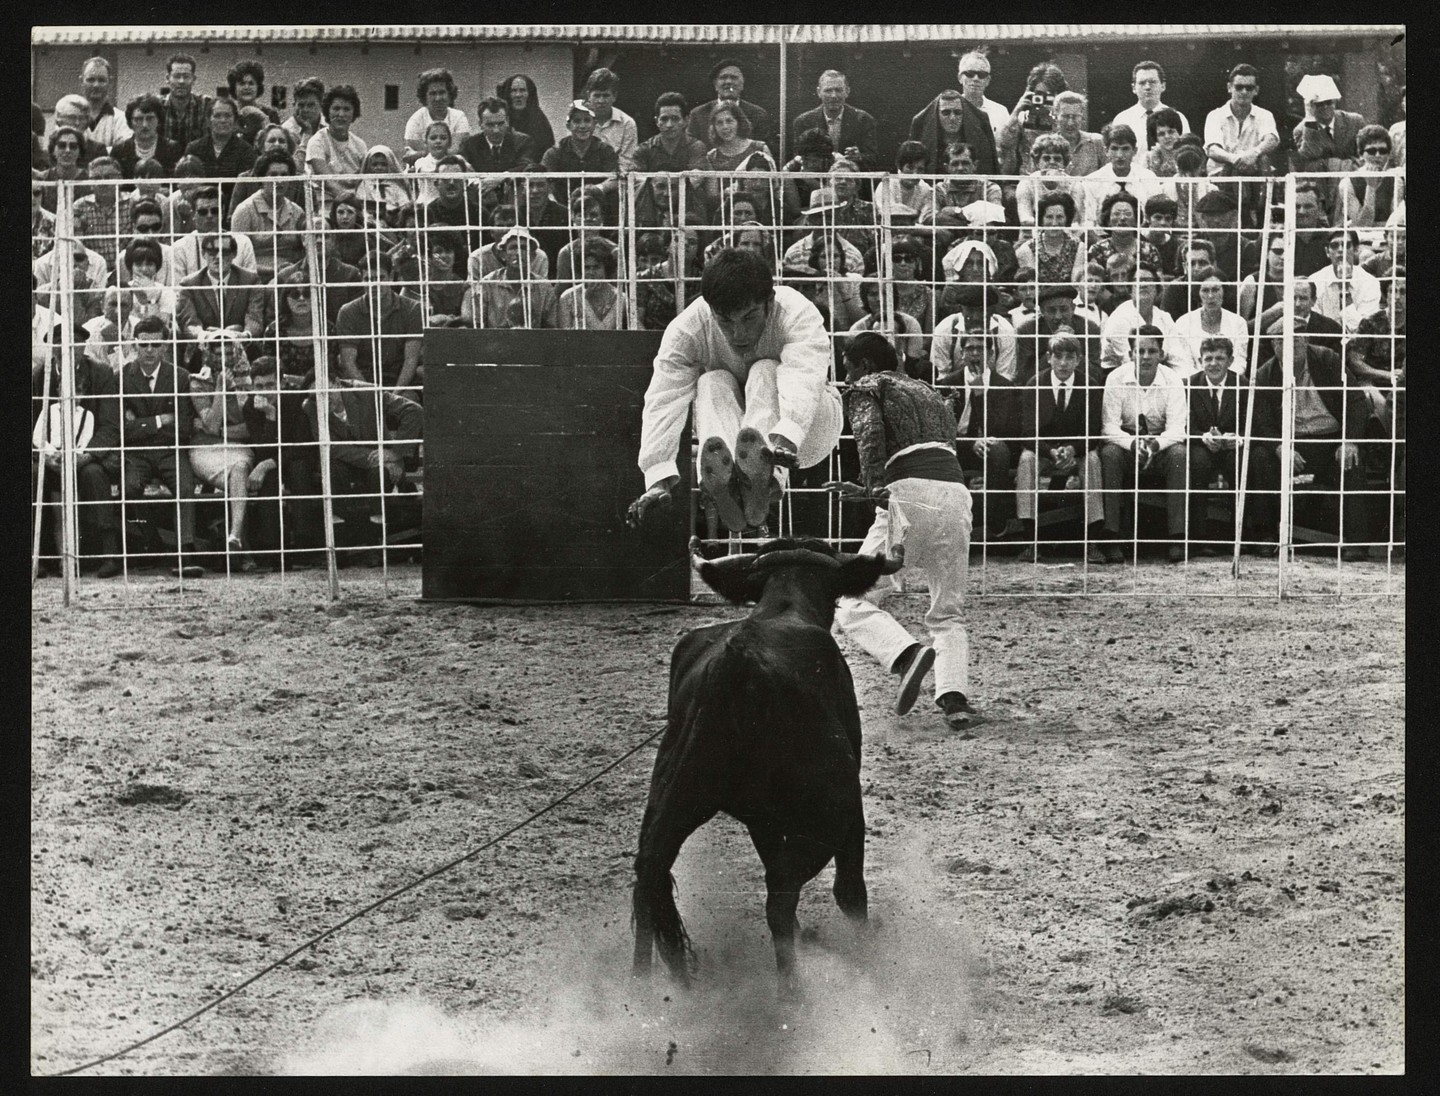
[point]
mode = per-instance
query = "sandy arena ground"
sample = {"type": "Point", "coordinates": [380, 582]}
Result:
{"type": "Point", "coordinates": [1175, 847]}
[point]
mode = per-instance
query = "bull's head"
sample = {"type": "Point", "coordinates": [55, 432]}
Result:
{"type": "Point", "coordinates": [742, 578]}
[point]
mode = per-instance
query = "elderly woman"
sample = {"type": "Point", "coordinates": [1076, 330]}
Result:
{"type": "Point", "coordinates": [525, 113]}
{"type": "Point", "coordinates": [1051, 156]}
{"type": "Point", "coordinates": [1055, 253]}
{"type": "Point", "coordinates": [1119, 221]}
{"type": "Point", "coordinates": [223, 151]}
{"type": "Point", "coordinates": [335, 150]}
{"type": "Point", "coordinates": [384, 199]}
{"type": "Point", "coordinates": [220, 455]}
{"type": "Point", "coordinates": [1368, 197]}
{"type": "Point", "coordinates": [595, 304]}
{"type": "Point", "coordinates": [436, 90]}
{"type": "Point", "coordinates": [271, 138]}
{"type": "Point", "coordinates": [731, 152]}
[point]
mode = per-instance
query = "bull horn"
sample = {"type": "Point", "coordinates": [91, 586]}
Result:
{"type": "Point", "coordinates": [790, 556]}
{"type": "Point", "coordinates": [698, 562]}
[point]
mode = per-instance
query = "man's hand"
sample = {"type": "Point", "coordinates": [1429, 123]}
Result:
{"type": "Point", "coordinates": [853, 492]}
{"type": "Point", "coordinates": [1348, 456]}
{"type": "Point", "coordinates": [657, 499]}
{"type": "Point", "coordinates": [1212, 441]}
{"type": "Point", "coordinates": [784, 452]}
{"type": "Point", "coordinates": [1297, 463]}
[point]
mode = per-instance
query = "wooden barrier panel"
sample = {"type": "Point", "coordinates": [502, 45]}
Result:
{"type": "Point", "coordinates": [530, 467]}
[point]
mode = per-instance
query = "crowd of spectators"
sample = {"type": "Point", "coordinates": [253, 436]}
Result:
{"type": "Point", "coordinates": [1010, 254]}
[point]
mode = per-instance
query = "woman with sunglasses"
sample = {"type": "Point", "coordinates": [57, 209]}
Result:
{"type": "Point", "coordinates": [66, 144]}
{"type": "Point", "coordinates": [1368, 197]}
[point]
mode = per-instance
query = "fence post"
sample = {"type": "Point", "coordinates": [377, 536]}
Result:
{"type": "Point", "coordinates": [64, 252]}
{"type": "Point", "coordinates": [1287, 395]}
{"type": "Point", "coordinates": [322, 387]}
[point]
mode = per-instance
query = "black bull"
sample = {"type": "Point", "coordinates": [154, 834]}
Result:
{"type": "Point", "coordinates": [763, 725]}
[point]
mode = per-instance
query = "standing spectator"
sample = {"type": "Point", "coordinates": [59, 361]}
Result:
{"type": "Point", "coordinates": [1087, 150]}
{"type": "Point", "coordinates": [73, 111]}
{"type": "Point", "coordinates": [1368, 197]}
{"type": "Point", "coordinates": [582, 150]}
{"type": "Point", "coordinates": [1345, 291]}
{"type": "Point", "coordinates": [1120, 175]}
{"type": "Point", "coordinates": [948, 118]}
{"type": "Point", "coordinates": [1130, 315]}
{"type": "Point", "coordinates": [1211, 319]}
{"type": "Point", "coordinates": [271, 218]}
{"type": "Point", "coordinates": [335, 150]}
{"type": "Point", "coordinates": [381, 315]}
{"type": "Point", "coordinates": [497, 147]}
{"type": "Point", "coordinates": [729, 81]}
{"type": "Point", "coordinates": [851, 130]}
{"type": "Point", "coordinates": [1143, 423]}
{"type": "Point", "coordinates": [612, 125]}
{"type": "Point", "coordinates": [1032, 115]}
{"type": "Point", "coordinates": [512, 296]}
{"type": "Point", "coordinates": [436, 91]}
{"type": "Point", "coordinates": [1147, 81]}
{"type": "Point", "coordinates": [144, 142]}
{"type": "Point", "coordinates": [105, 127]}
{"type": "Point", "coordinates": [222, 150]}
{"type": "Point", "coordinates": [1239, 138]}
{"type": "Point", "coordinates": [187, 115]}
{"type": "Point", "coordinates": [306, 117]}
{"type": "Point", "coordinates": [525, 113]}
{"type": "Point", "coordinates": [973, 72]}
{"type": "Point", "coordinates": [247, 83]}
{"type": "Point", "coordinates": [221, 295]}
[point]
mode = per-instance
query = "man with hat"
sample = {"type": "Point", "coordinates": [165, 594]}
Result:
{"type": "Point", "coordinates": [754, 359]}
{"type": "Point", "coordinates": [582, 150]}
{"type": "Point", "coordinates": [820, 214]}
{"type": "Point", "coordinates": [1325, 138]}
{"type": "Point", "coordinates": [729, 80]}
{"type": "Point", "coordinates": [1235, 258]}
{"type": "Point", "coordinates": [1056, 304]}
{"type": "Point", "coordinates": [513, 296]}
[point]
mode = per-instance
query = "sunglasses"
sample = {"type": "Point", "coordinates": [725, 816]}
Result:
{"type": "Point", "coordinates": [1377, 150]}
{"type": "Point", "coordinates": [976, 75]}
{"type": "Point", "coordinates": [66, 144]}
{"type": "Point", "coordinates": [146, 229]}
{"type": "Point", "coordinates": [1245, 87]}
{"type": "Point", "coordinates": [207, 211]}
{"type": "Point", "coordinates": [952, 113]}
{"type": "Point", "coordinates": [228, 253]}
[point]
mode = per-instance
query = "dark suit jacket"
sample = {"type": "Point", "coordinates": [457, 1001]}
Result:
{"type": "Point", "coordinates": [240, 301]}
{"type": "Point", "coordinates": [857, 128]}
{"type": "Point", "coordinates": [1233, 400]}
{"type": "Point", "coordinates": [171, 397]}
{"type": "Point", "coordinates": [756, 125]}
{"type": "Point", "coordinates": [975, 129]}
{"type": "Point", "coordinates": [95, 389]}
{"type": "Point", "coordinates": [167, 152]}
{"type": "Point", "coordinates": [404, 420]}
{"type": "Point", "coordinates": [516, 151]}
{"type": "Point", "coordinates": [1347, 404]}
{"type": "Point", "coordinates": [1032, 340]}
{"type": "Point", "coordinates": [238, 155]}
{"type": "Point", "coordinates": [1043, 427]}
{"type": "Point", "coordinates": [996, 413]}
{"type": "Point", "coordinates": [1315, 147]}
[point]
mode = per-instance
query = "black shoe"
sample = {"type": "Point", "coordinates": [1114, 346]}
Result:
{"type": "Point", "coordinates": [958, 713]}
{"type": "Point", "coordinates": [1114, 553]}
{"type": "Point", "coordinates": [1354, 554]}
{"type": "Point", "coordinates": [109, 568]}
{"type": "Point", "coordinates": [912, 667]}
{"type": "Point", "coordinates": [1176, 553]}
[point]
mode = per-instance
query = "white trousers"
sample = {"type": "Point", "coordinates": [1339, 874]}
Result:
{"type": "Point", "coordinates": [1027, 478]}
{"type": "Point", "coordinates": [932, 518]}
{"type": "Point", "coordinates": [722, 410]}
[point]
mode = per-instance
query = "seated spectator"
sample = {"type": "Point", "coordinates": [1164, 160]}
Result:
{"type": "Point", "coordinates": [286, 467]}
{"type": "Point", "coordinates": [221, 457]}
{"type": "Point", "coordinates": [729, 150]}
{"type": "Point", "coordinates": [595, 303]}
{"type": "Point", "coordinates": [1218, 438]}
{"type": "Point", "coordinates": [223, 151]}
{"type": "Point", "coordinates": [580, 151]}
{"type": "Point", "coordinates": [1086, 151]}
{"type": "Point", "coordinates": [1118, 221]}
{"type": "Point", "coordinates": [455, 205]}
{"type": "Point", "coordinates": [586, 221]}
{"type": "Point", "coordinates": [73, 111]}
{"type": "Point", "coordinates": [971, 260]}
{"type": "Point", "coordinates": [519, 94]}
{"type": "Point", "coordinates": [1371, 196]}
{"type": "Point", "coordinates": [1060, 436]}
{"type": "Point", "coordinates": [385, 317]}
{"type": "Point", "coordinates": [852, 131]}
{"type": "Point", "coordinates": [612, 125]}
{"type": "Point", "coordinates": [186, 254]}
{"type": "Point", "coordinates": [441, 289]}
{"type": "Point", "coordinates": [335, 150]}
{"type": "Point", "coordinates": [271, 218]}
{"type": "Point", "coordinates": [498, 146]}
{"type": "Point", "coordinates": [103, 217]}
{"type": "Point", "coordinates": [1090, 295]}
{"type": "Point", "coordinates": [1056, 254]}
{"type": "Point", "coordinates": [1160, 213]}
{"type": "Point", "coordinates": [728, 79]}
{"type": "Point", "coordinates": [1025, 289]}
{"type": "Point", "coordinates": [512, 296]}
{"type": "Point", "coordinates": [655, 299]}
{"type": "Point", "coordinates": [486, 258]}
{"type": "Point", "coordinates": [222, 294]}
{"type": "Point", "coordinates": [963, 186]}
{"type": "Point", "coordinates": [1321, 330]}
{"type": "Point", "coordinates": [827, 280]}
{"type": "Point", "coordinates": [1056, 317]}
{"type": "Point", "coordinates": [672, 149]}
{"type": "Point", "coordinates": [247, 83]}
{"type": "Point", "coordinates": [177, 203]}
{"type": "Point", "coordinates": [971, 308]}
{"type": "Point", "coordinates": [1324, 140]}
{"type": "Point", "coordinates": [904, 333]}
{"type": "Point", "coordinates": [289, 338]}
{"type": "Point", "coordinates": [1250, 292]}
{"type": "Point", "coordinates": [156, 424]}
{"type": "Point", "coordinates": [814, 154]}
{"type": "Point", "coordinates": [824, 203]}
{"type": "Point", "coordinates": [1345, 291]}
{"type": "Point", "coordinates": [146, 290]}
{"type": "Point", "coordinates": [143, 114]}
{"type": "Point", "coordinates": [950, 117]}
{"type": "Point", "coordinates": [307, 115]}
{"type": "Point", "coordinates": [91, 272]}
{"type": "Point", "coordinates": [1163, 129]}
{"type": "Point", "coordinates": [65, 145]}
{"type": "Point", "coordinates": [987, 411]}
{"type": "Point", "coordinates": [1329, 417]}
{"type": "Point", "coordinates": [436, 90]}
{"type": "Point", "coordinates": [1120, 175]}
{"type": "Point", "coordinates": [1235, 255]}
{"type": "Point", "coordinates": [912, 296]}
{"type": "Point", "coordinates": [269, 138]}
{"type": "Point", "coordinates": [1051, 154]}
{"type": "Point", "coordinates": [1131, 315]}
{"type": "Point", "coordinates": [348, 228]}
{"type": "Point", "coordinates": [905, 190]}
{"type": "Point", "coordinates": [42, 222]}
{"type": "Point", "coordinates": [342, 280]}
{"type": "Point", "coordinates": [1375, 358]}
{"type": "Point", "coordinates": [439, 142]}
{"type": "Point", "coordinates": [1211, 319]}
{"type": "Point", "coordinates": [386, 197]}
{"type": "Point", "coordinates": [1143, 421]}
{"type": "Point", "coordinates": [1183, 295]}
{"type": "Point", "coordinates": [1189, 185]}
{"type": "Point", "coordinates": [97, 461]}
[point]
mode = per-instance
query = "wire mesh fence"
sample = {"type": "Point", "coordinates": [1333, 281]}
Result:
{"type": "Point", "coordinates": [227, 373]}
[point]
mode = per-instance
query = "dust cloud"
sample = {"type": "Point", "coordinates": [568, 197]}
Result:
{"type": "Point", "coordinates": [894, 997]}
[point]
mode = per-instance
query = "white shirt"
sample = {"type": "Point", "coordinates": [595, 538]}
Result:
{"type": "Point", "coordinates": [1162, 403]}
{"type": "Point", "coordinates": [1137, 119]}
{"type": "Point", "coordinates": [888, 195]}
{"type": "Point", "coordinates": [798, 254]}
{"type": "Point", "coordinates": [419, 122]}
{"type": "Point", "coordinates": [998, 113]}
{"type": "Point", "coordinates": [1182, 345]}
{"type": "Point", "coordinates": [1346, 304]}
{"type": "Point", "coordinates": [946, 342]}
{"type": "Point", "coordinates": [1224, 129]}
{"type": "Point", "coordinates": [794, 336]}
{"type": "Point", "coordinates": [620, 134]}
{"type": "Point", "coordinates": [185, 257]}
{"type": "Point", "coordinates": [1115, 334]}
{"type": "Point", "coordinates": [1100, 184]}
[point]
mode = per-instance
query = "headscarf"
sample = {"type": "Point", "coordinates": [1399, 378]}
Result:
{"type": "Point", "coordinates": [975, 130]}
{"type": "Point", "coordinates": [389, 194]}
{"type": "Point", "coordinates": [530, 121]}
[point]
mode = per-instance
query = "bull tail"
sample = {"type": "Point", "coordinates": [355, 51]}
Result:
{"type": "Point", "coordinates": [655, 916]}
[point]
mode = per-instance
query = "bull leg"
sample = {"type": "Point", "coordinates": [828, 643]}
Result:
{"type": "Point", "coordinates": [657, 919]}
{"type": "Point", "coordinates": [791, 865]}
{"type": "Point", "coordinates": [849, 889]}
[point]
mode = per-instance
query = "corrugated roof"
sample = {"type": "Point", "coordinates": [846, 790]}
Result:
{"type": "Point", "coordinates": [716, 33]}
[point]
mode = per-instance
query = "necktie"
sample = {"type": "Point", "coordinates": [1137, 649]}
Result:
{"type": "Point", "coordinates": [1215, 403]}
{"type": "Point", "coordinates": [1062, 399]}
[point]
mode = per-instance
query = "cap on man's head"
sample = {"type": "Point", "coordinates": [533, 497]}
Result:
{"type": "Point", "coordinates": [518, 233]}
{"type": "Point", "coordinates": [580, 106]}
{"type": "Point", "coordinates": [1055, 291]}
{"type": "Point", "coordinates": [823, 200]}
{"type": "Point", "coordinates": [1216, 201]}
{"type": "Point", "coordinates": [984, 213]}
{"type": "Point", "coordinates": [1318, 89]}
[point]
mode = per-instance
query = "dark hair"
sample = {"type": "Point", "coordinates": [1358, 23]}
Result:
{"type": "Point", "coordinates": [872, 352]}
{"type": "Point", "coordinates": [1351, 236]}
{"type": "Point", "coordinates": [1159, 70]}
{"type": "Point", "coordinates": [1147, 331]}
{"type": "Point", "coordinates": [268, 128]}
{"type": "Point", "coordinates": [1048, 73]}
{"type": "Point", "coordinates": [1118, 133]}
{"type": "Point", "coordinates": [274, 156]}
{"type": "Point", "coordinates": [153, 324]}
{"type": "Point", "coordinates": [1161, 203]}
{"type": "Point", "coordinates": [1217, 342]}
{"type": "Point", "coordinates": [492, 104]}
{"type": "Point", "coordinates": [348, 198]}
{"type": "Point", "coordinates": [140, 248]}
{"type": "Point", "coordinates": [1146, 266]}
{"type": "Point", "coordinates": [909, 152]}
{"type": "Point", "coordinates": [607, 252]}
{"type": "Point", "coordinates": [445, 238]}
{"type": "Point", "coordinates": [1189, 157]}
{"type": "Point", "coordinates": [70, 130]}
{"type": "Point", "coordinates": [247, 67]}
{"type": "Point", "coordinates": [672, 99]}
{"type": "Point", "coordinates": [1242, 69]}
{"type": "Point", "coordinates": [151, 169]}
{"type": "Point", "coordinates": [311, 85]}
{"type": "Point", "coordinates": [1200, 243]}
{"type": "Point", "coordinates": [815, 142]}
{"type": "Point", "coordinates": [1063, 198]}
{"type": "Point", "coordinates": [954, 148]}
{"type": "Point", "coordinates": [147, 103]}
{"type": "Point", "coordinates": [732, 107]}
{"type": "Point", "coordinates": [223, 101]}
{"type": "Point", "coordinates": [1164, 116]}
{"type": "Point", "coordinates": [378, 264]}
{"type": "Point", "coordinates": [181, 59]}
{"type": "Point", "coordinates": [734, 279]}
{"type": "Point", "coordinates": [146, 206]}
{"type": "Point", "coordinates": [723, 64]}
{"type": "Point", "coordinates": [1117, 198]}
{"type": "Point", "coordinates": [190, 167]}
{"type": "Point", "coordinates": [817, 249]}
{"type": "Point", "coordinates": [650, 243]}
{"type": "Point", "coordinates": [1207, 272]}
{"type": "Point", "coordinates": [452, 159]}
{"type": "Point", "coordinates": [436, 76]}
{"type": "Point", "coordinates": [1371, 133]}
{"type": "Point", "coordinates": [340, 91]}
{"type": "Point", "coordinates": [602, 79]}
{"type": "Point", "coordinates": [209, 190]}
